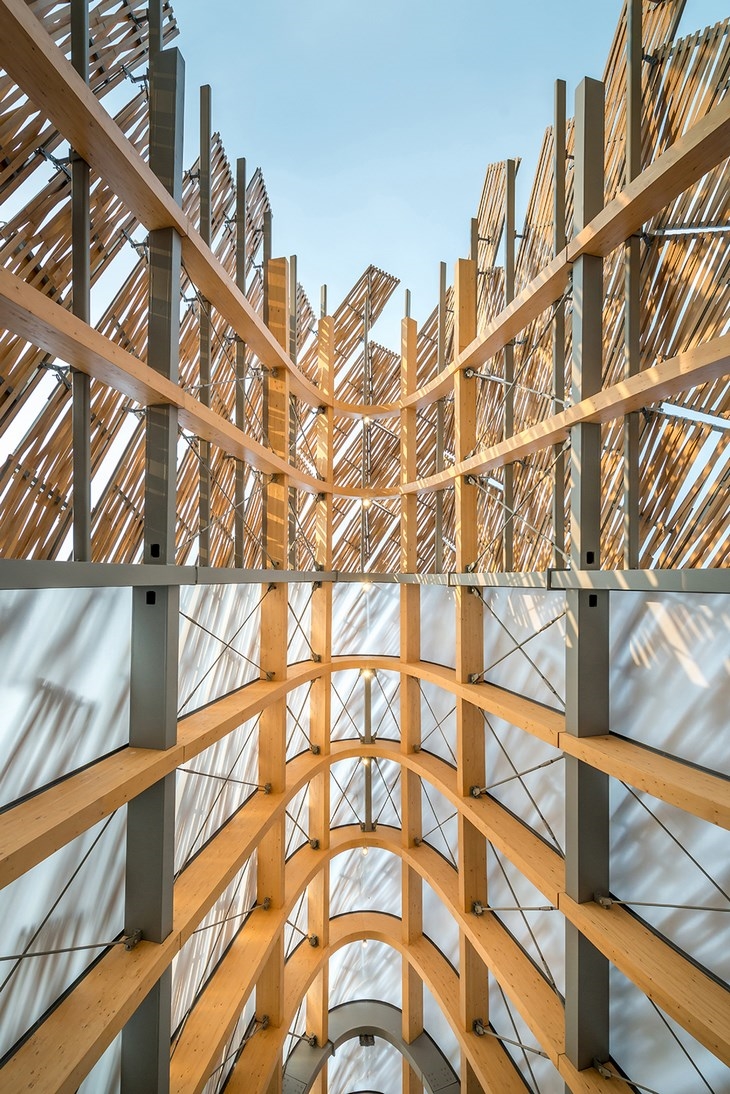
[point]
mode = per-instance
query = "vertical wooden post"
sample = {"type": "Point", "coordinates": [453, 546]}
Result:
{"type": "Point", "coordinates": [440, 362]}
{"type": "Point", "coordinates": [293, 496]}
{"type": "Point", "coordinates": [559, 324]}
{"type": "Point", "coordinates": [632, 283]}
{"type": "Point", "coordinates": [204, 448]}
{"type": "Point", "coordinates": [321, 696]}
{"type": "Point", "coordinates": [410, 703]}
{"type": "Point", "coordinates": [274, 633]}
{"type": "Point", "coordinates": [586, 713]}
{"type": "Point", "coordinates": [470, 766]}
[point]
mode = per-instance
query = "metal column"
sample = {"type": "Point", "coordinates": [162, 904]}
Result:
{"type": "Point", "coordinates": [587, 712]}
{"type": "Point", "coordinates": [239, 496]}
{"type": "Point", "coordinates": [154, 662]}
{"type": "Point", "coordinates": [632, 283]}
{"type": "Point", "coordinates": [559, 241]}
{"type": "Point", "coordinates": [81, 305]}
{"type": "Point", "coordinates": [265, 274]}
{"type": "Point", "coordinates": [204, 448]}
{"type": "Point", "coordinates": [508, 561]}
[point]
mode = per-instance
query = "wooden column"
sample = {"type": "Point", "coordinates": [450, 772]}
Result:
{"type": "Point", "coordinates": [586, 714]}
{"type": "Point", "coordinates": [321, 698]}
{"type": "Point", "coordinates": [410, 705]}
{"type": "Point", "coordinates": [274, 631]}
{"type": "Point", "coordinates": [473, 985]}
{"type": "Point", "coordinates": [440, 362]}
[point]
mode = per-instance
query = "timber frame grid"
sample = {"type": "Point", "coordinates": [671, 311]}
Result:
{"type": "Point", "coordinates": [129, 991]}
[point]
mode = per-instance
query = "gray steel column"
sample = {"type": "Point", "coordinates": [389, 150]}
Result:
{"type": "Point", "coordinates": [509, 365]}
{"type": "Point", "coordinates": [81, 305]}
{"type": "Point", "coordinates": [293, 496]}
{"type": "Point", "coordinates": [440, 362]}
{"type": "Point", "coordinates": [155, 611]}
{"type": "Point", "coordinates": [559, 324]}
{"type": "Point", "coordinates": [632, 283]}
{"type": "Point", "coordinates": [154, 30]}
{"type": "Point", "coordinates": [587, 711]}
{"type": "Point", "coordinates": [240, 412]}
{"type": "Point", "coordinates": [204, 448]}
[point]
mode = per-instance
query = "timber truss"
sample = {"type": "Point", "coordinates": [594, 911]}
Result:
{"type": "Point", "coordinates": [558, 422]}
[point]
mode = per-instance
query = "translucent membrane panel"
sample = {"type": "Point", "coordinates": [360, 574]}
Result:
{"type": "Point", "coordinates": [661, 855]}
{"type": "Point", "coordinates": [106, 1076]}
{"type": "Point", "coordinates": [296, 929]}
{"type": "Point", "coordinates": [670, 674]}
{"type": "Point", "coordinates": [347, 705]}
{"type": "Point", "coordinates": [539, 1073]}
{"type": "Point", "coordinates": [358, 1068]}
{"type": "Point", "coordinates": [438, 722]}
{"type": "Point", "coordinates": [439, 823]}
{"type": "Point", "coordinates": [540, 933]}
{"type": "Point", "coordinates": [366, 619]}
{"type": "Point", "coordinates": [524, 643]}
{"type": "Point", "coordinates": [201, 953]}
{"type": "Point", "coordinates": [656, 1052]}
{"type": "Point", "coordinates": [438, 1027]}
{"type": "Point", "coordinates": [368, 881]}
{"type": "Point", "coordinates": [528, 777]}
{"type": "Point", "coordinates": [64, 682]}
{"type": "Point", "coordinates": [437, 625]}
{"type": "Point", "coordinates": [297, 1029]}
{"type": "Point", "coordinates": [298, 737]}
{"type": "Point", "coordinates": [347, 793]}
{"type": "Point", "coordinates": [385, 699]}
{"type": "Point", "coordinates": [440, 926]}
{"type": "Point", "coordinates": [234, 1047]}
{"type": "Point", "coordinates": [365, 970]}
{"type": "Point", "coordinates": [211, 787]}
{"type": "Point", "coordinates": [219, 641]}
{"type": "Point", "coordinates": [300, 623]}
{"type": "Point", "coordinates": [73, 898]}
{"type": "Point", "coordinates": [386, 780]}
{"type": "Point", "coordinates": [297, 822]}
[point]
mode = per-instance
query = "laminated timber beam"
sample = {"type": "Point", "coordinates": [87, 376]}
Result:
{"type": "Point", "coordinates": [39, 68]}
{"type": "Point", "coordinates": [52, 1061]}
{"type": "Point", "coordinates": [35, 828]}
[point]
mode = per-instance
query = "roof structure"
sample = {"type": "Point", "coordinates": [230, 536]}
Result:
{"type": "Point", "coordinates": [363, 707]}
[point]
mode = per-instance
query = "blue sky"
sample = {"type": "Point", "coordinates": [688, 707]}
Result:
{"type": "Point", "coordinates": [374, 122]}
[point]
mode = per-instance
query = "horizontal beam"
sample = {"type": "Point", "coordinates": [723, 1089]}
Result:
{"type": "Point", "coordinates": [40, 825]}
{"type": "Point", "coordinates": [699, 365]}
{"type": "Point", "coordinates": [689, 788]}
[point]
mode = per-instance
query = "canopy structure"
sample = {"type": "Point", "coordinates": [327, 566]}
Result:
{"type": "Point", "coordinates": [363, 708]}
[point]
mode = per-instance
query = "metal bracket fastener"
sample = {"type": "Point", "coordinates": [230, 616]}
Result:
{"type": "Point", "coordinates": [264, 1021]}
{"type": "Point", "coordinates": [131, 938]}
{"type": "Point", "coordinates": [469, 373]}
{"type": "Point", "coordinates": [603, 899]}
{"type": "Point", "coordinates": [478, 1027]}
{"type": "Point", "coordinates": [314, 843]}
{"type": "Point", "coordinates": [315, 750]}
{"type": "Point", "coordinates": [476, 791]}
{"type": "Point", "coordinates": [417, 841]}
{"type": "Point", "coordinates": [311, 1040]}
{"type": "Point", "coordinates": [602, 1069]}
{"type": "Point", "coordinates": [317, 657]}
{"type": "Point", "coordinates": [478, 908]}
{"type": "Point", "coordinates": [313, 940]}
{"type": "Point", "coordinates": [267, 788]}
{"type": "Point", "coordinates": [266, 903]}
{"type": "Point", "coordinates": [474, 677]}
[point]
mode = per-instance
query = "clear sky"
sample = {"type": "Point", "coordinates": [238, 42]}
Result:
{"type": "Point", "coordinates": [374, 122]}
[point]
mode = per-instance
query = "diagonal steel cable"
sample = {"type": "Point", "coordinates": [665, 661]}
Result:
{"type": "Point", "coordinates": [525, 920]}
{"type": "Point", "coordinates": [298, 624]}
{"type": "Point", "coordinates": [344, 707]}
{"type": "Point", "coordinates": [524, 652]}
{"type": "Point", "coordinates": [226, 646]}
{"type": "Point", "coordinates": [438, 724]}
{"type": "Point", "coordinates": [343, 793]}
{"type": "Point", "coordinates": [387, 791]}
{"type": "Point", "coordinates": [523, 643]}
{"type": "Point", "coordinates": [522, 1047]}
{"type": "Point", "coordinates": [439, 824]}
{"type": "Point", "coordinates": [526, 789]}
{"type": "Point", "coordinates": [58, 899]}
